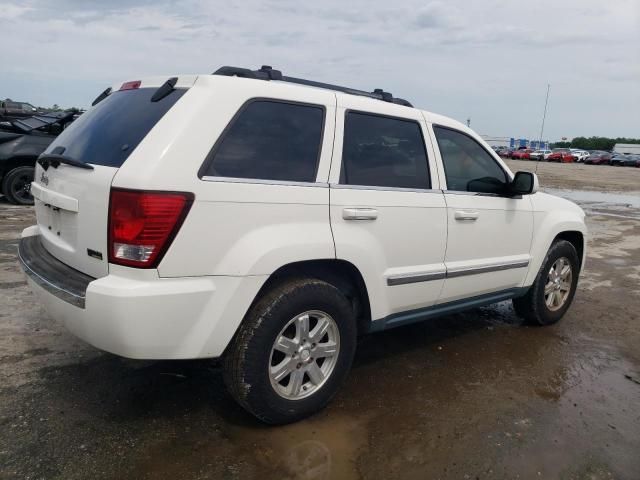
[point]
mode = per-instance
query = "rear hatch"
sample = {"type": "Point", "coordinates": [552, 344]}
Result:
{"type": "Point", "coordinates": [72, 185]}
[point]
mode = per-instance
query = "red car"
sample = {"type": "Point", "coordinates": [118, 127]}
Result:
{"type": "Point", "coordinates": [562, 155]}
{"type": "Point", "coordinates": [599, 158]}
{"type": "Point", "coordinates": [521, 154]}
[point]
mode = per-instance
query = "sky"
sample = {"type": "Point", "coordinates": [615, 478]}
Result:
{"type": "Point", "coordinates": [488, 61]}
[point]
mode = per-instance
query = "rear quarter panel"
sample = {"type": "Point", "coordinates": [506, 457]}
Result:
{"type": "Point", "coordinates": [239, 227]}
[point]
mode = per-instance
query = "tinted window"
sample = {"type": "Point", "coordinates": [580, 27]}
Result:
{"type": "Point", "coordinates": [108, 133]}
{"type": "Point", "coordinates": [270, 140]}
{"type": "Point", "coordinates": [384, 152]}
{"type": "Point", "coordinates": [467, 165]}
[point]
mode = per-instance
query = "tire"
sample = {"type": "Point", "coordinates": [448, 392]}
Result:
{"type": "Point", "coordinates": [534, 306]}
{"type": "Point", "coordinates": [251, 357]}
{"type": "Point", "coordinates": [16, 185]}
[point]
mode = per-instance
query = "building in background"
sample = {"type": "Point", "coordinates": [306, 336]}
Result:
{"type": "Point", "coordinates": [515, 143]}
{"type": "Point", "coordinates": [627, 148]}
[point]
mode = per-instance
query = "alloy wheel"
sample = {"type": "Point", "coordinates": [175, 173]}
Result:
{"type": "Point", "coordinates": [304, 355]}
{"type": "Point", "coordinates": [558, 285]}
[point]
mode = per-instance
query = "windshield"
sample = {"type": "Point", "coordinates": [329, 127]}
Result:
{"type": "Point", "coordinates": [108, 133]}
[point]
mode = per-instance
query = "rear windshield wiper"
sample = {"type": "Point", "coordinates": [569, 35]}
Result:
{"type": "Point", "coordinates": [54, 160]}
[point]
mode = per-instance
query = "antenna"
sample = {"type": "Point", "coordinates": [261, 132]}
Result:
{"type": "Point", "coordinates": [544, 116]}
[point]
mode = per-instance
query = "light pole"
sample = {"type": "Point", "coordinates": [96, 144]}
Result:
{"type": "Point", "coordinates": [544, 115]}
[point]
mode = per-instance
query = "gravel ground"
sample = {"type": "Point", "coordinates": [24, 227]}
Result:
{"type": "Point", "coordinates": [469, 396]}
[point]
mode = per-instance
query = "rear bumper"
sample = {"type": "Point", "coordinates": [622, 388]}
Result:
{"type": "Point", "coordinates": [44, 270]}
{"type": "Point", "coordinates": [136, 314]}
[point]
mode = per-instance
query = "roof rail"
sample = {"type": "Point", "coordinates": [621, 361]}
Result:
{"type": "Point", "coordinates": [267, 73]}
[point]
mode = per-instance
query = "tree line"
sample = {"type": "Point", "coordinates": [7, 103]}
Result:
{"type": "Point", "coordinates": [594, 143]}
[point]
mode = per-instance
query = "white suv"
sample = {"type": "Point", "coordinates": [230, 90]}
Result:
{"type": "Point", "coordinates": [270, 220]}
{"type": "Point", "coordinates": [581, 155]}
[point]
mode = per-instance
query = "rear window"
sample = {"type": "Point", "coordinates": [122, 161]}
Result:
{"type": "Point", "coordinates": [108, 133]}
{"type": "Point", "coordinates": [270, 140]}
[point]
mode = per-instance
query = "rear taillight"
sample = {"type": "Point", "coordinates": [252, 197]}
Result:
{"type": "Point", "coordinates": [142, 225]}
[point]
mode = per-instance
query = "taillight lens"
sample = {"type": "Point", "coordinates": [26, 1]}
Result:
{"type": "Point", "coordinates": [143, 224]}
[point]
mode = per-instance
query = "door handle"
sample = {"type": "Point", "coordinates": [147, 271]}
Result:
{"type": "Point", "coordinates": [467, 215]}
{"type": "Point", "coordinates": [359, 213]}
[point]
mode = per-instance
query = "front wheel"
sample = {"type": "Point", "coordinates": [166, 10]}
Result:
{"type": "Point", "coordinates": [553, 290]}
{"type": "Point", "coordinates": [292, 351]}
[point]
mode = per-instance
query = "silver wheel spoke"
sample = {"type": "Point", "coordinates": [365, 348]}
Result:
{"type": "Point", "coordinates": [549, 299]}
{"type": "Point", "coordinates": [566, 270]}
{"type": "Point", "coordinates": [295, 382]}
{"type": "Point", "coordinates": [284, 368]}
{"type": "Point", "coordinates": [565, 286]}
{"type": "Point", "coordinates": [315, 373]}
{"type": "Point", "coordinates": [328, 349]}
{"type": "Point", "coordinates": [286, 345]}
{"type": "Point", "coordinates": [302, 327]}
{"type": "Point", "coordinates": [320, 329]}
{"type": "Point", "coordinates": [558, 298]}
{"type": "Point", "coordinates": [548, 288]}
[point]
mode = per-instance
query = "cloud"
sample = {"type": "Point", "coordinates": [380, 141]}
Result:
{"type": "Point", "coordinates": [489, 61]}
{"type": "Point", "coordinates": [437, 15]}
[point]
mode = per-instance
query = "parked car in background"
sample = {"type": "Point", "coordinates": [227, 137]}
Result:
{"type": "Point", "coordinates": [581, 155]}
{"type": "Point", "coordinates": [562, 155]}
{"type": "Point", "coordinates": [617, 160]}
{"type": "Point", "coordinates": [540, 155]}
{"type": "Point", "coordinates": [624, 160]}
{"type": "Point", "coordinates": [21, 141]}
{"type": "Point", "coordinates": [598, 158]}
{"type": "Point", "coordinates": [506, 153]}
{"type": "Point", "coordinates": [632, 160]}
{"type": "Point", "coordinates": [10, 110]}
{"type": "Point", "coordinates": [523, 154]}
{"type": "Point", "coordinates": [256, 241]}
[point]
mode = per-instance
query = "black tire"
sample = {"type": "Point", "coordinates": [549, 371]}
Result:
{"type": "Point", "coordinates": [532, 306]}
{"type": "Point", "coordinates": [16, 185]}
{"type": "Point", "coordinates": [248, 359]}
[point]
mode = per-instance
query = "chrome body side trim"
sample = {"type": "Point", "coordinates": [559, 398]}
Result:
{"type": "Point", "coordinates": [453, 273]}
{"type": "Point", "coordinates": [420, 277]}
{"type": "Point", "coordinates": [461, 272]}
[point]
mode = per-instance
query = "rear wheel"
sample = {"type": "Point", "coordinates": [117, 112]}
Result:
{"type": "Point", "coordinates": [292, 352]}
{"type": "Point", "coordinates": [16, 185]}
{"type": "Point", "coordinates": [553, 289]}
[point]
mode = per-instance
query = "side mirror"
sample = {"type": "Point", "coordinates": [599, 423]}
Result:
{"type": "Point", "coordinates": [524, 183]}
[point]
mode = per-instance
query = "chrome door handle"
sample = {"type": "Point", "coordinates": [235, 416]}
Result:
{"type": "Point", "coordinates": [359, 213]}
{"type": "Point", "coordinates": [467, 215]}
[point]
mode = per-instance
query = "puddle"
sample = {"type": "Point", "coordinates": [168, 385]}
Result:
{"type": "Point", "coordinates": [631, 200]}
{"type": "Point", "coordinates": [591, 398]}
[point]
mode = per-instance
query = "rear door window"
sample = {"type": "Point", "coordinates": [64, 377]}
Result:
{"type": "Point", "coordinates": [270, 140]}
{"type": "Point", "coordinates": [383, 152]}
{"type": "Point", "coordinates": [110, 131]}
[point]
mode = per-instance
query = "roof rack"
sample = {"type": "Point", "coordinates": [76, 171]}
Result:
{"type": "Point", "coordinates": [267, 73]}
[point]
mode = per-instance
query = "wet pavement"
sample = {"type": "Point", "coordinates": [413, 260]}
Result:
{"type": "Point", "coordinates": [469, 396]}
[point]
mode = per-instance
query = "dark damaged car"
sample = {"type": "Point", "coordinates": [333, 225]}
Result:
{"type": "Point", "coordinates": [21, 142]}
